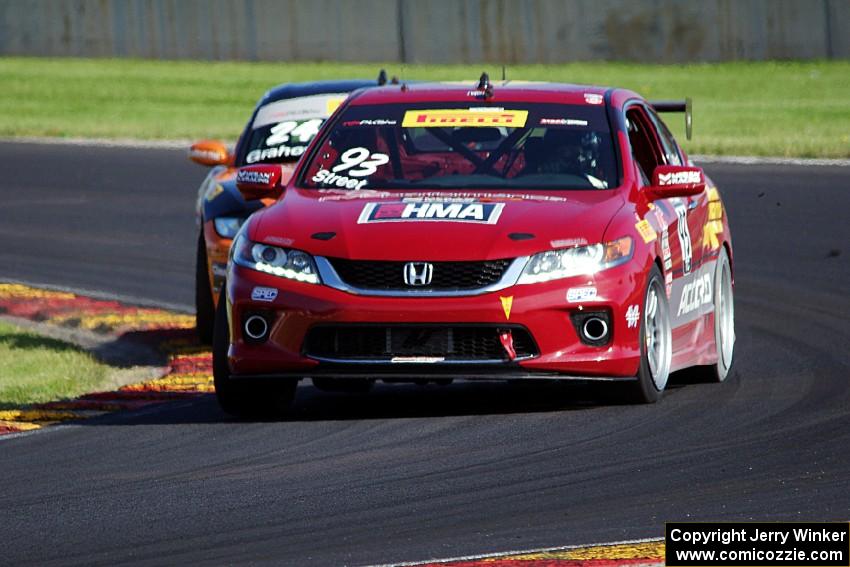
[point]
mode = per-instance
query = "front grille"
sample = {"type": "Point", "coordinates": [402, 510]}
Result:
{"type": "Point", "coordinates": [382, 343]}
{"type": "Point", "coordinates": [378, 275]}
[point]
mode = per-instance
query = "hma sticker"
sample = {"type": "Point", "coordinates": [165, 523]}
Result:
{"type": "Point", "coordinates": [483, 213]}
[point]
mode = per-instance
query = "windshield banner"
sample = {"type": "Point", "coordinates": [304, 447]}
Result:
{"type": "Point", "coordinates": [469, 117]}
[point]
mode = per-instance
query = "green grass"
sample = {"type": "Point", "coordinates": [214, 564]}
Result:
{"type": "Point", "coordinates": [781, 109]}
{"type": "Point", "coordinates": [36, 369]}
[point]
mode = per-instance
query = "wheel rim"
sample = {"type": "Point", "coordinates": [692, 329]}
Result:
{"type": "Point", "coordinates": [725, 318]}
{"type": "Point", "coordinates": [657, 335]}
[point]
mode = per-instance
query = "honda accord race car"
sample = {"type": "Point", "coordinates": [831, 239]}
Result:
{"type": "Point", "coordinates": [281, 126]}
{"type": "Point", "coordinates": [498, 231]}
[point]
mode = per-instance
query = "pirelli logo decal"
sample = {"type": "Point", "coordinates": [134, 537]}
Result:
{"type": "Point", "coordinates": [482, 213]}
{"type": "Point", "coordinates": [464, 117]}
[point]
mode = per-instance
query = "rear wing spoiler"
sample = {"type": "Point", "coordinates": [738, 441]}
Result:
{"type": "Point", "coordinates": [677, 106]}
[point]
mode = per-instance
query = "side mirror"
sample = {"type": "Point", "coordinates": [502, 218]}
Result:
{"type": "Point", "coordinates": [260, 181]}
{"type": "Point", "coordinates": [676, 181]}
{"type": "Point", "coordinates": [209, 152]}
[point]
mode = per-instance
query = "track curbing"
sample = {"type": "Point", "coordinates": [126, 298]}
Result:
{"type": "Point", "coordinates": [630, 553]}
{"type": "Point", "coordinates": [187, 373]}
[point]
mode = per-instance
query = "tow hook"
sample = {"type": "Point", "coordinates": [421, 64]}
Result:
{"type": "Point", "coordinates": [507, 339]}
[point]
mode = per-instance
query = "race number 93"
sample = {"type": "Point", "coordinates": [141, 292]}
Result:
{"type": "Point", "coordinates": [360, 162]}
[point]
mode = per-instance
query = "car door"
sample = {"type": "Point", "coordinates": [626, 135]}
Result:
{"type": "Point", "coordinates": [679, 220]}
{"type": "Point", "coordinates": [693, 209]}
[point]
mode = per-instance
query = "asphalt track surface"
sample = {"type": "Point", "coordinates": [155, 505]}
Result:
{"type": "Point", "coordinates": [407, 472]}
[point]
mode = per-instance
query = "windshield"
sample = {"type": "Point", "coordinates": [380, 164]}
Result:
{"type": "Point", "coordinates": [283, 129]}
{"type": "Point", "coordinates": [451, 145]}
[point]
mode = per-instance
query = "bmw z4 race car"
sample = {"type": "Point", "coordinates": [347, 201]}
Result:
{"type": "Point", "coordinates": [509, 231]}
{"type": "Point", "coordinates": [281, 126]}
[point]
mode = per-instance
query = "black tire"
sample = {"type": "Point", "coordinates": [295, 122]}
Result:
{"type": "Point", "coordinates": [650, 383]}
{"type": "Point", "coordinates": [204, 303]}
{"type": "Point", "coordinates": [345, 385]}
{"type": "Point", "coordinates": [245, 398]}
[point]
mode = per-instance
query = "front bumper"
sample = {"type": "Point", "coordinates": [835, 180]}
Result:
{"type": "Point", "coordinates": [541, 309]}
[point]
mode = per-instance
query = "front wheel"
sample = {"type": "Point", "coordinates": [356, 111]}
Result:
{"type": "Point", "coordinates": [245, 398]}
{"type": "Point", "coordinates": [656, 343]}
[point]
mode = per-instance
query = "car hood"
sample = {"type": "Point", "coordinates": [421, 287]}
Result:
{"type": "Point", "coordinates": [435, 226]}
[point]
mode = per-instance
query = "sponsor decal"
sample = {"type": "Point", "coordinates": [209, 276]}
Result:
{"type": "Point", "coordinates": [507, 303]}
{"type": "Point", "coordinates": [250, 176]}
{"type": "Point", "coordinates": [282, 151]}
{"type": "Point", "coordinates": [709, 234]}
{"type": "Point", "coordinates": [453, 196]}
{"type": "Point", "coordinates": [592, 98]}
{"type": "Point", "coordinates": [715, 210]}
{"type": "Point", "coordinates": [568, 242]}
{"type": "Point", "coordinates": [679, 178]}
{"type": "Point", "coordinates": [484, 213]}
{"type": "Point", "coordinates": [695, 294]}
{"type": "Point", "coordinates": [632, 316]}
{"type": "Point", "coordinates": [330, 179]}
{"type": "Point", "coordinates": [267, 294]}
{"type": "Point", "coordinates": [666, 255]}
{"type": "Point", "coordinates": [562, 122]}
{"type": "Point", "coordinates": [646, 231]}
{"type": "Point", "coordinates": [668, 283]}
{"type": "Point", "coordinates": [301, 108]}
{"type": "Point", "coordinates": [486, 117]}
{"type": "Point", "coordinates": [684, 233]}
{"type": "Point", "coordinates": [214, 192]}
{"type": "Point", "coordinates": [578, 294]}
{"type": "Point", "coordinates": [370, 122]}
{"type": "Point", "coordinates": [713, 194]}
{"type": "Point", "coordinates": [279, 240]}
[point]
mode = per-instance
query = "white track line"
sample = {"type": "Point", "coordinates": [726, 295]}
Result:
{"type": "Point", "coordinates": [760, 160]}
{"type": "Point", "coordinates": [95, 294]}
{"type": "Point", "coordinates": [518, 552]}
{"type": "Point", "coordinates": [184, 145]}
{"type": "Point", "coordinates": [104, 143]}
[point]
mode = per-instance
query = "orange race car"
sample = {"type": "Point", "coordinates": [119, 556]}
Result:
{"type": "Point", "coordinates": [282, 125]}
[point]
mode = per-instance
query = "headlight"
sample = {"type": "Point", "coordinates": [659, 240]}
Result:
{"type": "Point", "coordinates": [583, 260]}
{"type": "Point", "coordinates": [227, 227]}
{"type": "Point", "coordinates": [291, 264]}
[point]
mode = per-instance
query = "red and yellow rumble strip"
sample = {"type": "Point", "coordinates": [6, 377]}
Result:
{"type": "Point", "coordinates": [189, 370]}
{"type": "Point", "coordinates": [634, 554]}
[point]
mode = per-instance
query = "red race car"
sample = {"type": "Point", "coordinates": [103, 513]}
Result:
{"type": "Point", "coordinates": [498, 231]}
